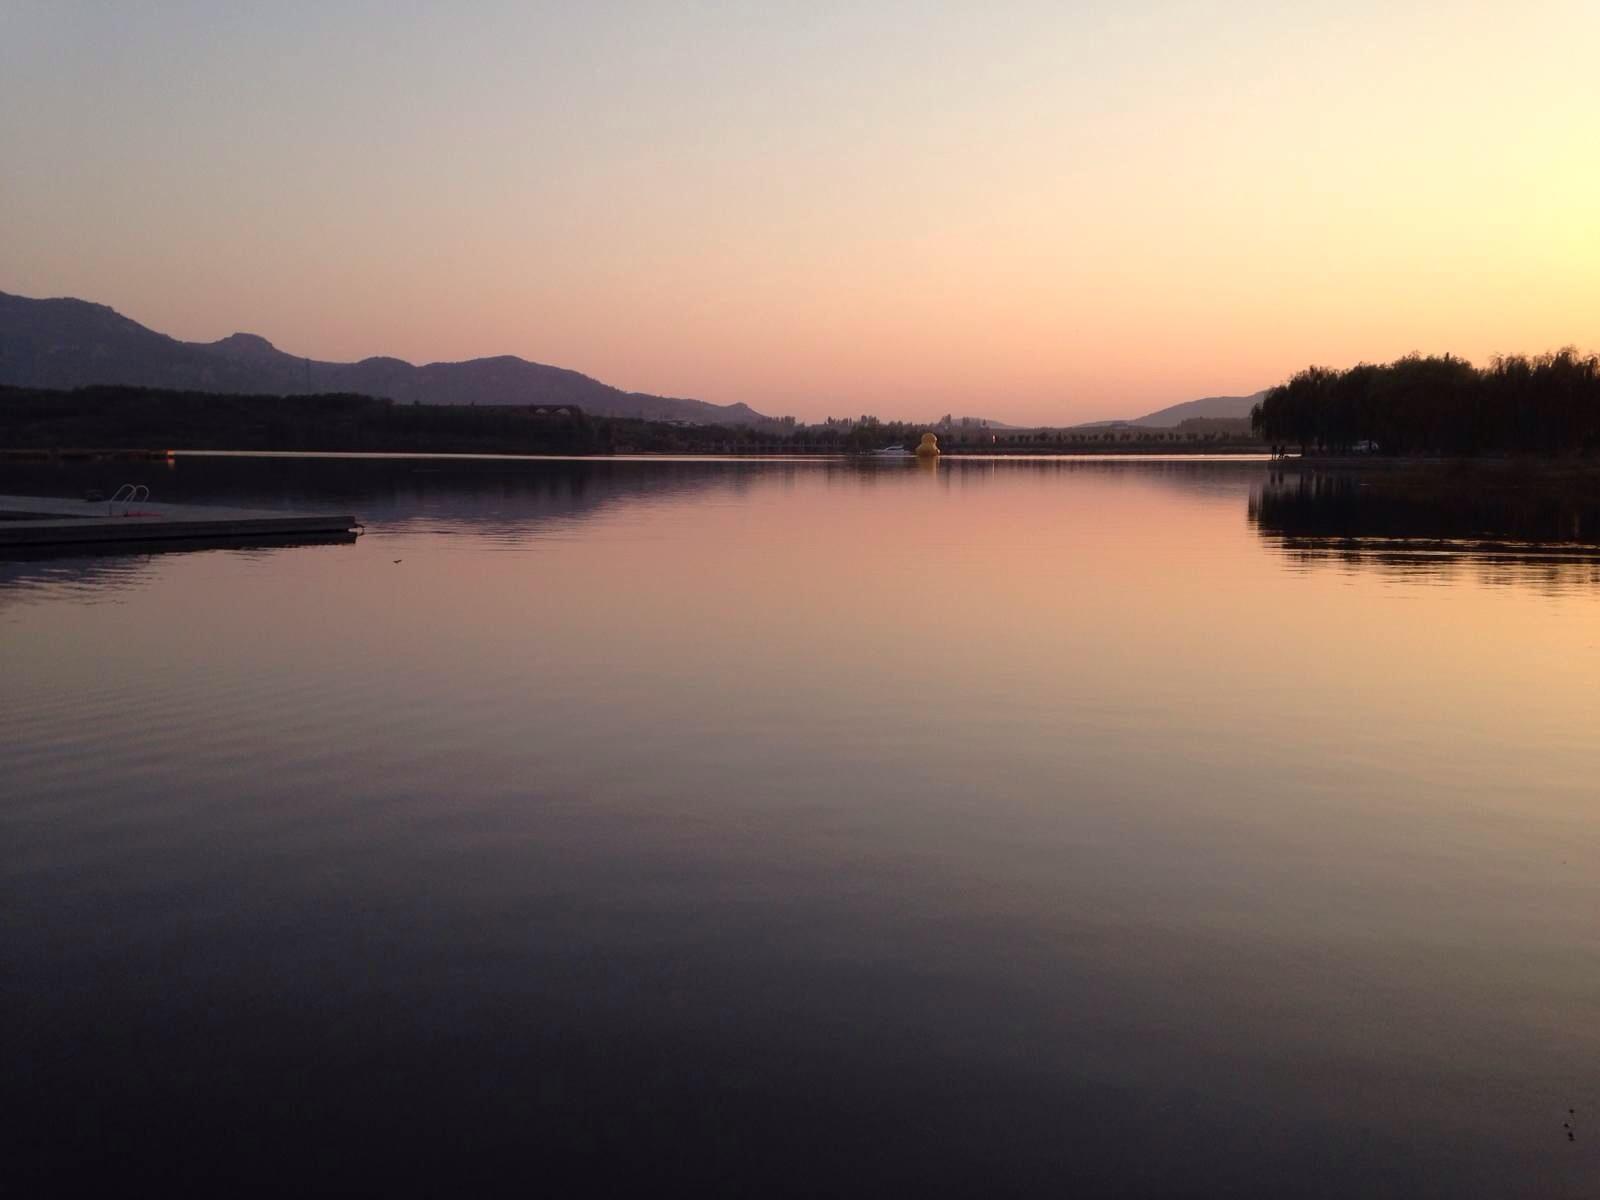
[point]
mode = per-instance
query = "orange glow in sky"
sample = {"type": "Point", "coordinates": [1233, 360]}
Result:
{"type": "Point", "coordinates": [1036, 212]}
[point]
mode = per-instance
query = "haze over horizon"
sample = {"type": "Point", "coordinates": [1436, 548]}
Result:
{"type": "Point", "coordinates": [1037, 213]}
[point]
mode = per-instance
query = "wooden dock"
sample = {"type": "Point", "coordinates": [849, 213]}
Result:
{"type": "Point", "coordinates": [39, 521]}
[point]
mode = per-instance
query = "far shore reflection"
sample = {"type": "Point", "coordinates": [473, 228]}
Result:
{"type": "Point", "coordinates": [1505, 526]}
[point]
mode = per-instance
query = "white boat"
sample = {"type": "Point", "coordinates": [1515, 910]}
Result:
{"type": "Point", "coordinates": [893, 452]}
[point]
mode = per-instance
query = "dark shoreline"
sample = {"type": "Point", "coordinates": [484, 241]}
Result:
{"type": "Point", "coordinates": [1504, 469]}
{"type": "Point", "coordinates": [1135, 450]}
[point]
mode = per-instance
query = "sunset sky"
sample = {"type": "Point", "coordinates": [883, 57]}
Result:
{"type": "Point", "coordinates": [1034, 211]}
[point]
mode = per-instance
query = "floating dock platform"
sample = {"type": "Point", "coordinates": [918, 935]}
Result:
{"type": "Point", "coordinates": [39, 521]}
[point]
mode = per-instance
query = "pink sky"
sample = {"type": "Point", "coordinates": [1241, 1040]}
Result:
{"type": "Point", "coordinates": [1037, 212]}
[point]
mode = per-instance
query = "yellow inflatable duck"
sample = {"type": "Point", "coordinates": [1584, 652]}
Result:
{"type": "Point", "coordinates": [928, 447]}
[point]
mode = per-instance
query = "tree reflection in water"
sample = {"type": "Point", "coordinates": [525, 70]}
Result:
{"type": "Point", "coordinates": [1511, 526]}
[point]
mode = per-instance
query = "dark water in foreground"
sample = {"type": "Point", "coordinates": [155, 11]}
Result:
{"type": "Point", "coordinates": [1104, 828]}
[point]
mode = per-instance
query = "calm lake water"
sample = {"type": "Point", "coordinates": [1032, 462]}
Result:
{"type": "Point", "coordinates": [1008, 828]}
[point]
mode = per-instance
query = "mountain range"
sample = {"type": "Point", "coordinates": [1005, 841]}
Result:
{"type": "Point", "coordinates": [73, 343]}
{"type": "Point", "coordinates": [70, 343]}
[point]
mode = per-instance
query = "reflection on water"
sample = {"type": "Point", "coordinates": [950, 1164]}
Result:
{"type": "Point", "coordinates": [1507, 529]}
{"type": "Point", "coordinates": [800, 828]}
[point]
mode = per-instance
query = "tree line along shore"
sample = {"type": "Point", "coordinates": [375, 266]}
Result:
{"type": "Point", "coordinates": [1546, 405]}
{"type": "Point", "coordinates": [50, 423]}
{"type": "Point", "coordinates": [1417, 406]}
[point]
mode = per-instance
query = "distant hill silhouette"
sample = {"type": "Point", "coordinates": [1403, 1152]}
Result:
{"type": "Point", "coordinates": [1210, 407]}
{"type": "Point", "coordinates": [1233, 407]}
{"type": "Point", "coordinates": [73, 343]}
